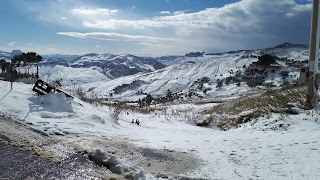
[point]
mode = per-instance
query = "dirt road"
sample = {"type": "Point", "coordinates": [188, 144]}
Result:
{"type": "Point", "coordinates": [26, 153]}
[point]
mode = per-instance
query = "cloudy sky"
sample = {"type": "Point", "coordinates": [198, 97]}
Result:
{"type": "Point", "coordinates": [151, 27]}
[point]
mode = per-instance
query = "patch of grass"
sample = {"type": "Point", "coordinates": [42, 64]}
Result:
{"type": "Point", "coordinates": [272, 100]}
{"type": "Point", "coordinates": [229, 123]}
{"type": "Point", "coordinates": [92, 98]}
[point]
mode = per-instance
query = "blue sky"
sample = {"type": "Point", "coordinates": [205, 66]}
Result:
{"type": "Point", "coordinates": [151, 27]}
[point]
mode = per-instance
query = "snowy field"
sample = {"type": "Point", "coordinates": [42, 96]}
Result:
{"type": "Point", "coordinates": [272, 147]}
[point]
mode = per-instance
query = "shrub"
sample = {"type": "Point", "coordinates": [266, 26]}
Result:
{"type": "Point", "coordinates": [238, 121]}
{"type": "Point", "coordinates": [286, 83]}
{"type": "Point", "coordinates": [92, 98]}
{"type": "Point", "coordinates": [206, 122]}
{"type": "Point", "coordinates": [284, 74]}
{"type": "Point", "coordinates": [117, 110]}
{"type": "Point", "coordinates": [254, 83]}
{"type": "Point", "coordinates": [266, 60]}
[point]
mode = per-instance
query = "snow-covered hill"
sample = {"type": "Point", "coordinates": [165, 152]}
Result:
{"type": "Point", "coordinates": [180, 76]}
{"type": "Point", "coordinates": [298, 52]}
{"type": "Point", "coordinates": [115, 66]}
{"type": "Point", "coordinates": [209, 75]}
{"type": "Point", "coordinates": [57, 59]}
{"type": "Point", "coordinates": [69, 76]}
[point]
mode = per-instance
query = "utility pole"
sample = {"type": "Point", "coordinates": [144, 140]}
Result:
{"type": "Point", "coordinates": [37, 75]}
{"type": "Point", "coordinates": [11, 74]}
{"type": "Point", "coordinates": [313, 65]}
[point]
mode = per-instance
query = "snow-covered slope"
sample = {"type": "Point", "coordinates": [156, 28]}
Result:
{"type": "Point", "coordinates": [115, 66]}
{"type": "Point", "coordinates": [180, 76]}
{"type": "Point", "coordinates": [71, 76]}
{"type": "Point", "coordinates": [54, 113]}
{"type": "Point", "coordinates": [298, 52]}
{"type": "Point", "coordinates": [255, 151]}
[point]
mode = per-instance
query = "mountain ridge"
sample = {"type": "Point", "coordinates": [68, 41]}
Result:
{"type": "Point", "coordinates": [52, 56]}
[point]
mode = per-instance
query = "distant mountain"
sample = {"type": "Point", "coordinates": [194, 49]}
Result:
{"type": "Point", "coordinates": [7, 56]}
{"type": "Point", "coordinates": [227, 52]}
{"type": "Point", "coordinates": [290, 45]}
{"type": "Point", "coordinates": [166, 60]}
{"type": "Point", "coordinates": [59, 57]}
{"type": "Point", "coordinates": [299, 52]}
{"type": "Point", "coordinates": [115, 66]}
{"type": "Point", "coordinates": [129, 74]}
{"type": "Point", "coordinates": [15, 53]}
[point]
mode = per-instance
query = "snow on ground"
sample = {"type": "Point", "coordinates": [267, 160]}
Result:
{"type": "Point", "coordinates": [53, 113]}
{"type": "Point", "coordinates": [69, 75]}
{"type": "Point", "coordinates": [188, 106]}
{"type": "Point", "coordinates": [238, 154]}
{"type": "Point", "coordinates": [273, 147]}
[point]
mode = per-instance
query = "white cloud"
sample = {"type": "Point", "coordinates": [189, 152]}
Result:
{"type": "Point", "coordinates": [234, 18]}
{"type": "Point", "coordinates": [244, 24]}
{"type": "Point", "coordinates": [165, 12]}
{"type": "Point", "coordinates": [117, 37]}
{"type": "Point", "coordinates": [122, 23]}
{"type": "Point", "coordinates": [97, 11]}
{"type": "Point", "coordinates": [69, 13]}
{"type": "Point", "coordinates": [178, 12]}
{"type": "Point", "coordinates": [12, 43]}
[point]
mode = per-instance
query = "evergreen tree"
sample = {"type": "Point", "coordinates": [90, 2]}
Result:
{"type": "Point", "coordinates": [149, 99]}
{"type": "Point", "coordinates": [26, 60]}
{"type": "Point", "coordinates": [169, 95]}
{"type": "Point", "coordinates": [4, 65]}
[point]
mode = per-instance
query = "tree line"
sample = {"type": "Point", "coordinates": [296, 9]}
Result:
{"type": "Point", "coordinates": [14, 69]}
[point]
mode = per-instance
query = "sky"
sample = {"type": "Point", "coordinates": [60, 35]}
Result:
{"type": "Point", "coordinates": [151, 27]}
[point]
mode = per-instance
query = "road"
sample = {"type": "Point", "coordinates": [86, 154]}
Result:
{"type": "Point", "coordinates": [25, 154]}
